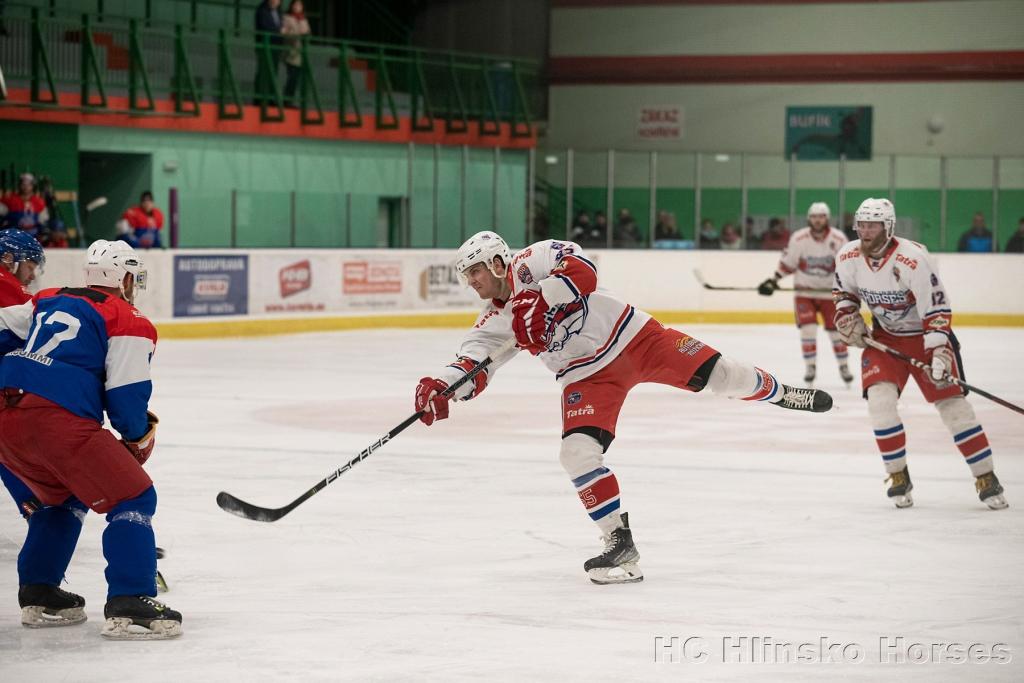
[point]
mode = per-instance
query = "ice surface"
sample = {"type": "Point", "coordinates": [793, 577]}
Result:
{"type": "Point", "coordinates": [456, 552]}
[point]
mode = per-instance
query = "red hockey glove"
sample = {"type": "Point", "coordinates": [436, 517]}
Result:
{"type": "Point", "coordinates": [851, 326]}
{"type": "Point", "coordinates": [431, 401]}
{"type": "Point", "coordinates": [941, 359]}
{"type": "Point", "coordinates": [528, 320]}
{"type": "Point", "coordinates": [143, 448]}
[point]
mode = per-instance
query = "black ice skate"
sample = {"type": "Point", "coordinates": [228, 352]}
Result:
{"type": "Point", "coordinates": [845, 373]}
{"type": "Point", "coordinates": [810, 374]}
{"type": "Point", "coordinates": [618, 562]}
{"type": "Point", "coordinates": [161, 583]}
{"type": "Point", "coordinates": [43, 605]}
{"type": "Point", "coordinates": [991, 491]}
{"type": "Point", "coordinates": [812, 400]}
{"type": "Point", "coordinates": [901, 488]}
{"type": "Point", "coordinates": [139, 617]}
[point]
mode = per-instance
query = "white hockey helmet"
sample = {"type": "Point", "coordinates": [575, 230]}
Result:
{"type": "Point", "coordinates": [107, 262]}
{"type": "Point", "coordinates": [819, 209]}
{"type": "Point", "coordinates": [481, 248]}
{"type": "Point", "coordinates": [877, 210]}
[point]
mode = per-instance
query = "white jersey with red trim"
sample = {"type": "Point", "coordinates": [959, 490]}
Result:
{"type": "Point", "coordinates": [588, 326]}
{"type": "Point", "coordinates": [902, 290]}
{"type": "Point", "coordinates": [812, 261]}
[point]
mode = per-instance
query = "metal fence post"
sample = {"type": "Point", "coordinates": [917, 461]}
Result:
{"type": "Point", "coordinates": [495, 195]}
{"type": "Point", "coordinates": [696, 199]}
{"type": "Point", "coordinates": [463, 192]}
{"type": "Point", "coordinates": [842, 190]}
{"type": "Point", "coordinates": [892, 178]}
{"type": "Point", "coordinates": [234, 217]}
{"type": "Point", "coordinates": [792, 190]}
{"type": "Point", "coordinates": [943, 181]}
{"type": "Point", "coordinates": [568, 192]}
{"type": "Point", "coordinates": [437, 192]}
{"type": "Point", "coordinates": [652, 209]}
{"type": "Point", "coordinates": [609, 204]}
{"type": "Point", "coordinates": [744, 202]}
{"type": "Point", "coordinates": [292, 212]}
{"type": "Point", "coordinates": [995, 204]}
{"type": "Point", "coordinates": [531, 196]}
{"type": "Point", "coordinates": [410, 186]}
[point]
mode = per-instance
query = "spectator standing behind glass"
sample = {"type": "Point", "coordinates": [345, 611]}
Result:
{"type": "Point", "coordinates": [293, 27]}
{"type": "Point", "coordinates": [268, 21]}
{"type": "Point", "coordinates": [665, 228]}
{"type": "Point", "coordinates": [708, 235]}
{"type": "Point", "coordinates": [580, 227]}
{"type": "Point", "coordinates": [978, 238]}
{"type": "Point", "coordinates": [140, 225]}
{"type": "Point", "coordinates": [777, 236]}
{"type": "Point", "coordinates": [627, 234]}
{"type": "Point", "coordinates": [24, 209]}
{"type": "Point", "coordinates": [1016, 243]}
{"type": "Point", "coordinates": [730, 237]}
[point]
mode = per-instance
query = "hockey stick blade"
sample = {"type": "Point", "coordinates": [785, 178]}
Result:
{"type": "Point", "coordinates": [927, 368]}
{"type": "Point", "coordinates": [237, 506]}
{"type": "Point", "coordinates": [715, 288]}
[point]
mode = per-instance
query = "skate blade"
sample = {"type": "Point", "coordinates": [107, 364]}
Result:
{"type": "Point", "coordinates": [904, 501]}
{"type": "Point", "coordinates": [996, 502]}
{"type": "Point", "coordinates": [123, 628]}
{"type": "Point", "coordinates": [624, 573]}
{"type": "Point", "coordinates": [161, 583]}
{"type": "Point", "coordinates": [40, 617]}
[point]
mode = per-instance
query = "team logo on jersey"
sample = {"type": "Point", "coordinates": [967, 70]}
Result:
{"type": "Point", "coordinates": [564, 323]}
{"type": "Point", "coordinates": [688, 346]}
{"type": "Point", "coordinates": [574, 398]}
{"type": "Point", "coordinates": [896, 273]}
{"type": "Point", "coordinates": [524, 274]}
{"type": "Point", "coordinates": [935, 280]}
{"type": "Point", "coordinates": [938, 323]}
{"type": "Point", "coordinates": [865, 362]}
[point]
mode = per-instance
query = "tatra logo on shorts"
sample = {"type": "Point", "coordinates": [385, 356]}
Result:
{"type": "Point", "coordinates": [580, 412]}
{"type": "Point", "coordinates": [573, 398]}
{"type": "Point", "coordinates": [688, 345]}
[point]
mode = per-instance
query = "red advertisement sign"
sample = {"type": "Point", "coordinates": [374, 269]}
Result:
{"type": "Point", "coordinates": [371, 277]}
{"type": "Point", "coordinates": [298, 277]}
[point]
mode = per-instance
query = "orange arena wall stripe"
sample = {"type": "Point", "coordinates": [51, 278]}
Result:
{"type": "Point", "coordinates": [18, 106]}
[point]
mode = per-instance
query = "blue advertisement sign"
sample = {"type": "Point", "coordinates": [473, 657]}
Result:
{"type": "Point", "coordinates": [214, 284]}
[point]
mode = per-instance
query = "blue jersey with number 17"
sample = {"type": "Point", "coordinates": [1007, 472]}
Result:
{"type": "Point", "coordinates": [87, 351]}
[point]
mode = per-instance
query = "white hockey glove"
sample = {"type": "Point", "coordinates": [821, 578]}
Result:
{"type": "Point", "coordinates": [941, 359]}
{"type": "Point", "coordinates": [851, 327]}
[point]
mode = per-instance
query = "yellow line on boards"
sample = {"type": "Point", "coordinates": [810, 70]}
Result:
{"type": "Point", "coordinates": [257, 327]}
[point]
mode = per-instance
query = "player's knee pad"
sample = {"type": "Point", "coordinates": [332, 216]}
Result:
{"type": "Point", "coordinates": [882, 398]}
{"type": "Point", "coordinates": [957, 414]}
{"type": "Point", "coordinates": [139, 509]}
{"type": "Point", "coordinates": [732, 378]}
{"type": "Point", "coordinates": [809, 330]}
{"type": "Point", "coordinates": [581, 453]}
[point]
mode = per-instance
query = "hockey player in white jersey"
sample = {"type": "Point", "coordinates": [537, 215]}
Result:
{"type": "Point", "coordinates": [911, 313]}
{"type": "Point", "coordinates": [810, 257]}
{"type": "Point", "coordinates": [547, 297]}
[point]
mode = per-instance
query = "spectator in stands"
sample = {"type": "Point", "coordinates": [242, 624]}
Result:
{"type": "Point", "coordinates": [268, 25]}
{"type": "Point", "coordinates": [580, 227]}
{"type": "Point", "coordinates": [627, 233]}
{"type": "Point", "coordinates": [730, 237]}
{"type": "Point", "coordinates": [1016, 243]}
{"type": "Point", "coordinates": [666, 228]}
{"type": "Point", "coordinates": [777, 236]}
{"type": "Point", "coordinates": [599, 233]}
{"type": "Point", "coordinates": [140, 225]}
{"type": "Point", "coordinates": [294, 26]}
{"type": "Point", "coordinates": [708, 238]}
{"type": "Point", "coordinates": [25, 208]}
{"type": "Point", "coordinates": [751, 238]}
{"type": "Point", "coordinates": [978, 238]}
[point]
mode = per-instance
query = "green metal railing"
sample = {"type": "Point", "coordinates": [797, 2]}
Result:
{"type": "Point", "coordinates": [127, 59]}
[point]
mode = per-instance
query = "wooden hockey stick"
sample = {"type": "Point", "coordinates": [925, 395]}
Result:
{"type": "Point", "coordinates": [700, 279]}
{"type": "Point", "coordinates": [948, 378]}
{"type": "Point", "coordinates": [235, 506]}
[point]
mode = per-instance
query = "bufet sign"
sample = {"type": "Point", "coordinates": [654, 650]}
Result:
{"type": "Point", "coordinates": [660, 122]}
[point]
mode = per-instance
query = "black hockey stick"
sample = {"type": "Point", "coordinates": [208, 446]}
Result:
{"type": "Point", "coordinates": [949, 378]}
{"type": "Point", "coordinates": [235, 506]}
{"type": "Point", "coordinates": [700, 279]}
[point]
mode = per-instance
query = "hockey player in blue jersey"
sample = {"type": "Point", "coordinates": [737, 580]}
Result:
{"type": "Point", "coordinates": [88, 352]}
{"type": "Point", "coordinates": [21, 257]}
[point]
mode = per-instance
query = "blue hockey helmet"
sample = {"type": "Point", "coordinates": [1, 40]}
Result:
{"type": "Point", "coordinates": [22, 247]}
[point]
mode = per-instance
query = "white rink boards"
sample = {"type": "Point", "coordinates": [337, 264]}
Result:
{"type": "Point", "coordinates": [456, 551]}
